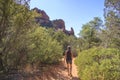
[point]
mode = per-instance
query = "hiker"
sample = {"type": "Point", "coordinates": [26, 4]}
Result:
{"type": "Point", "coordinates": [68, 57]}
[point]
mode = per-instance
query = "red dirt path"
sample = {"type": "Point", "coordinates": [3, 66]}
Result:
{"type": "Point", "coordinates": [53, 72]}
{"type": "Point", "coordinates": [59, 72]}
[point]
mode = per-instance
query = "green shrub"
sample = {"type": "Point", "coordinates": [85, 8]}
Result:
{"type": "Point", "coordinates": [36, 46]}
{"type": "Point", "coordinates": [99, 64]}
{"type": "Point", "coordinates": [43, 48]}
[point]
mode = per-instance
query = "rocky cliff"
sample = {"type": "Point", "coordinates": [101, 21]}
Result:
{"type": "Point", "coordinates": [45, 21]}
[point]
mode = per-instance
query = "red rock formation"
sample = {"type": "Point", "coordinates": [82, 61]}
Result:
{"type": "Point", "coordinates": [58, 24]}
{"type": "Point", "coordinates": [43, 13]}
{"type": "Point", "coordinates": [72, 31]}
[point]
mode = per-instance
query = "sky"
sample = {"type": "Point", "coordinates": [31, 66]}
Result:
{"type": "Point", "coordinates": [75, 13]}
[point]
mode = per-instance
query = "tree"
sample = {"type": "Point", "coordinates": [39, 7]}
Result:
{"type": "Point", "coordinates": [90, 32]}
{"type": "Point", "coordinates": [14, 22]}
{"type": "Point", "coordinates": [112, 17]}
{"type": "Point", "coordinates": [23, 41]}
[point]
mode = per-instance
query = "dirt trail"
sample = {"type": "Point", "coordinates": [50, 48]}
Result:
{"type": "Point", "coordinates": [57, 72]}
{"type": "Point", "coordinates": [74, 72]}
{"type": "Point", "coordinates": [53, 72]}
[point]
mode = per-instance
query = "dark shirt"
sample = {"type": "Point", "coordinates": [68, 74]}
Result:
{"type": "Point", "coordinates": [68, 55]}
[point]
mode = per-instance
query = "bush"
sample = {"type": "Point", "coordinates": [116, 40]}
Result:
{"type": "Point", "coordinates": [43, 48]}
{"type": "Point", "coordinates": [36, 46]}
{"type": "Point", "coordinates": [99, 64]}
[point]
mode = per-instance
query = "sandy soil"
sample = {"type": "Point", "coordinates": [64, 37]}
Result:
{"type": "Point", "coordinates": [53, 72]}
{"type": "Point", "coordinates": [74, 72]}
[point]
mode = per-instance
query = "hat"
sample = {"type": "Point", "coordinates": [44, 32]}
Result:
{"type": "Point", "coordinates": [68, 47]}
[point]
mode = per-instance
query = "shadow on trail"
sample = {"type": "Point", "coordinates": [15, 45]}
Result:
{"type": "Point", "coordinates": [75, 78]}
{"type": "Point", "coordinates": [49, 72]}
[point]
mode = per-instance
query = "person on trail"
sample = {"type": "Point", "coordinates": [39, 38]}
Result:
{"type": "Point", "coordinates": [68, 57]}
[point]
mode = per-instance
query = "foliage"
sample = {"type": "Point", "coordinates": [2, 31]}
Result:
{"type": "Point", "coordinates": [66, 40]}
{"type": "Point", "coordinates": [112, 17]}
{"type": "Point", "coordinates": [44, 49]}
{"type": "Point", "coordinates": [89, 33]}
{"type": "Point", "coordinates": [15, 21]}
{"type": "Point", "coordinates": [99, 64]}
{"type": "Point", "coordinates": [60, 37]}
{"type": "Point", "coordinates": [21, 40]}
